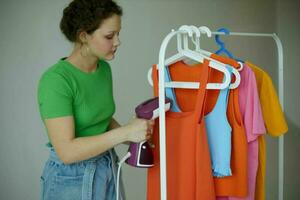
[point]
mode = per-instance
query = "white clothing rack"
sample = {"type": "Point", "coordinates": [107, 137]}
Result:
{"type": "Point", "coordinates": [162, 129]}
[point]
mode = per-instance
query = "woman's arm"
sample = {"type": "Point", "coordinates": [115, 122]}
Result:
{"type": "Point", "coordinates": [61, 132]}
{"type": "Point", "coordinates": [115, 124]}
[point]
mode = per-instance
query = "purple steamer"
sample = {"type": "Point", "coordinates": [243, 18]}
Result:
{"type": "Point", "coordinates": [141, 153]}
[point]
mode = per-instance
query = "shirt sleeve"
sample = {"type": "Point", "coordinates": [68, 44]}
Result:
{"type": "Point", "coordinates": [273, 115]}
{"type": "Point", "coordinates": [54, 96]}
{"type": "Point", "coordinates": [254, 114]}
{"type": "Point", "coordinates": [250, 105]}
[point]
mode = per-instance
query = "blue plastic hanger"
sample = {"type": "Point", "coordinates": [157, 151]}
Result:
{"type": "Point", "coordinates": [222, 45]}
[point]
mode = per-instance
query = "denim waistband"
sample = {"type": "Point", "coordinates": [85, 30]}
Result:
{"type": "Point", "coordinates": [89, 172]}
{"type": "Point", "coordinates": [105, 155]}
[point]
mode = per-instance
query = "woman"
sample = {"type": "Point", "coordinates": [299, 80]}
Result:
{"type": "Point", "coordinates": [76, 105]}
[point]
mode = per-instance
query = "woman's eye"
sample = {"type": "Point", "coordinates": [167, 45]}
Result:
{"type": "Point", "coordinates": [109, 37]}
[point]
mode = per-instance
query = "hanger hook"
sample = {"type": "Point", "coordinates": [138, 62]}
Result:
{"type": "Point", "coordinates": [195, 30]}
{"type": "Point", "coordinates": [189, 32]}
{"type": "Point", "coordinates": [205, 30]}
{"type": "Point", "coordinates": [187, 29]}
{"type": "Point", "coordinates": [222, 44]}
{"type": "Point", "coordinates": [217, 37]}
{"type": "Point", "coordinates": [197, 40]}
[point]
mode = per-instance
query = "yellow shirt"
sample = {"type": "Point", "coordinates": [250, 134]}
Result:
{"type": "Point", "coordinates": [274, 121]}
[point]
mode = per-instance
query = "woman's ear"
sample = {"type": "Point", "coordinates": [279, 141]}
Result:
{"type": "Point", "coordinates": [82, 36]}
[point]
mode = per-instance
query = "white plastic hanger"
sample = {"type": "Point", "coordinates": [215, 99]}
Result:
{"type": "Point", "coordinates": [207, 54]}
{"type": "Point", "coordinates": [196, 56]}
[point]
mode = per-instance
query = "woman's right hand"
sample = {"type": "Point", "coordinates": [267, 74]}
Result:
{"type": "Point", "coordinates": [140, 130]}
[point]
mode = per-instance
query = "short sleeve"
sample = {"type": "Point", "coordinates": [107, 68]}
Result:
{"type": "Point", "coordinates": [54, 96]}
{"type": "Point", "coordinates": [274, 118]}
{"type": "Point", "coordinates": [273, 115]}
{"type": "Point", "coordinates": [250, 105]}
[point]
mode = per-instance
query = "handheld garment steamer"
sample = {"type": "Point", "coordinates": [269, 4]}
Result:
{"type": "Point", "coordinates": [140, 154]}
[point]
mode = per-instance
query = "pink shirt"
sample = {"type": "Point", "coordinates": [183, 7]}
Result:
{"type": "Point", "coordinates": [254, 125]}
{"type": "Point", "coordinates": [250, 105]}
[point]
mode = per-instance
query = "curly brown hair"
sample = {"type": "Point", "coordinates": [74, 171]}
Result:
{"type": "Point", "coordinates": [86, 15]}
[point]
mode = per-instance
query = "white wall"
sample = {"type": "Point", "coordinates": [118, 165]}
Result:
{"type": "Point", "coordinates": [288, 28]}
{"type": "Point", "coordinates": [31, 42]}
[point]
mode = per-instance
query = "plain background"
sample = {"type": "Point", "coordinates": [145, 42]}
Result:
{"type": "Point", "coordinates": [30, 42]}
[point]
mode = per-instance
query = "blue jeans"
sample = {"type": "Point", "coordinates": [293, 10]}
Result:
{"type": "Point", "coordinates": [92, 179]}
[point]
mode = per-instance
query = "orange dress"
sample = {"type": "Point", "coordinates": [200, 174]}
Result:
{"type": "Point", "coordinates": [237, 184]}
{"type": "Point", "coordinates": [189, 175]}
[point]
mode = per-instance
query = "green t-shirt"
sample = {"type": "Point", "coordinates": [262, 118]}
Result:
{"type": "Point", "coordinates": [65, 90]}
